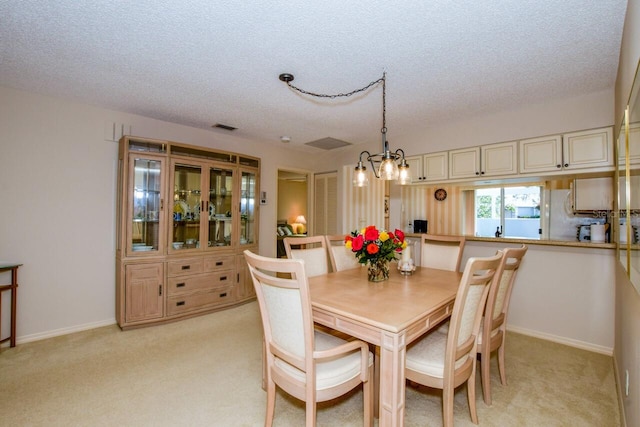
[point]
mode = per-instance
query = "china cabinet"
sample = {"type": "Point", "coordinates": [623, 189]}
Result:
{"type": "Point", "coordinates": [185, 215]}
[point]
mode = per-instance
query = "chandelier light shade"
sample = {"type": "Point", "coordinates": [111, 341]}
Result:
{"type": "Point", "coordinates": [387, 165]}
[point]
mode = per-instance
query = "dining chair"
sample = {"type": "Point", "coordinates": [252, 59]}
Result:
{"type": "Point", "coordinates": [341, 258]}
{"type": "Point", "coordinates": [445, 361]}
{"type": "Point", "coordinates": [311, 249]}
{"type": "Point", "coordinates": [493, 331]}
{"type": "Point", "coordinates": [307, 364]}
{"type": "Point", "coordinates": [441, 252]}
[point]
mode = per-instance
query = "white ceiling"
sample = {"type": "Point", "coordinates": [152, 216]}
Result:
{"type": "Point", "coordinates": [200, 62]}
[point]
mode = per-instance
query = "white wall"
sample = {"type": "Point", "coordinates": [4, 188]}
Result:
{"type": "Point", "coordinates": [57, 215]}
{"type": "Point", "coordinates": [563, 294]}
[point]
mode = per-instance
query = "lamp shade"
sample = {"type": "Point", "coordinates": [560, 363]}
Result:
{"type": "Point", "coordinates": [301, 219]}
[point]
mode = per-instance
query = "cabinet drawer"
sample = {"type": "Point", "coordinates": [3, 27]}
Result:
{"type": "Point", "coordinates": [185, 266]}
{"type": "Point", "coordinates": [181, 304]}
{"type": "Point", "coordinates": [219, 262]}
{"type": "Point", "coordinates": [181, 285]}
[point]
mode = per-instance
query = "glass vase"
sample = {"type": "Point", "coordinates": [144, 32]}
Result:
{"type": "Point", "coordinates": [378, 270]}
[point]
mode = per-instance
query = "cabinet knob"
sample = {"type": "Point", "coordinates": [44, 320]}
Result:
{"type": "Point", "coordinates": [477, 173]}
{"type": "Point", "coordinates": [566, 165]}
{"type": "Point", "coordinates": [558, 166]}
{"type": "Point", "coordinates": [482, 173]}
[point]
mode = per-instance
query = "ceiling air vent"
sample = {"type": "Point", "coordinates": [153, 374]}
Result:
{"type": "Point", "coordinates": [225, 127]}
{"type": "Point", "coordinates": [328, 143]}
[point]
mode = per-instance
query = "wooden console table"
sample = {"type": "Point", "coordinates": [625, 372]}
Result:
{"type": "Point", "coordinates": [13, 287]}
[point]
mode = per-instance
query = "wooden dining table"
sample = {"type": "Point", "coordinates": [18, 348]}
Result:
{"type": "Point", "coordinates": [388, 314]}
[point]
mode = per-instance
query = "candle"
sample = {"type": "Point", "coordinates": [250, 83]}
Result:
{"type": "Point", "coordinates": [406, 254]}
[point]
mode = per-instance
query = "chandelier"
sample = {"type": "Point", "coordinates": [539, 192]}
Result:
{"type": "Point", "coordinates": [386, 165]}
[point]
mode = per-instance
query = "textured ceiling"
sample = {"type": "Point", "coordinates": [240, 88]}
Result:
{"type": "Point", "coordinates": [201, 62]}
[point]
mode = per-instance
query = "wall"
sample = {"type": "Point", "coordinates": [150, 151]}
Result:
{"type": "Point", "coordinates": [561, 294]}
{"type": "Point", "coordinates": [627, 342]}
{"type": "Point", "coordinates": [292, 200]}
{"type": "Point", "coordinates": [58, 192]}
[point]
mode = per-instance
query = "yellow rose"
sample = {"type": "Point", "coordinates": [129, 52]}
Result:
{"type": "Point", "coordinates": [404, 244]}
{"type": "Point", "coordinates": [384, 236]}
{"type": "Point", "coordinates": [348, 244]}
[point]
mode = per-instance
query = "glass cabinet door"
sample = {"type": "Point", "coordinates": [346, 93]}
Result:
{"type": "Point", "coordinates": [248, 196]}
{"type": "Point", "coordinates": [220, 207]}
{"type": "Point", "coordinates": [187, 198]}
{"type": "Point", "coordinates": [145, 211]}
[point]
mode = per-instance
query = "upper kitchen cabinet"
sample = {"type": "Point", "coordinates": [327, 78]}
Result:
{"type": "Point", "coordinates": [429, 167]}
{"type": "Point", "coordinates": [634, 146]}
{"type": "Point", "coordinates": [484, 161]}
{"type": "Point", "coordinates": [588, 149]}
{"type": "Point", "coordinates": [569, 152]}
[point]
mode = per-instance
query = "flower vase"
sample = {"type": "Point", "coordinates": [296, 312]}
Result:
{"type": "Point", "coordinates": [378, 270]}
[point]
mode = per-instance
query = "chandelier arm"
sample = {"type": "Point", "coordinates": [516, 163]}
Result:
{"type": "Point", "coordinates": [401, 151]}
{"type": "Point", "coordinates": [368, 155]}
{"type": "Point", "coordinates": [373, 167]}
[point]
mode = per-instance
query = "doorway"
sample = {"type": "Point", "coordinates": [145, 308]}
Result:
{"type": "Point", "coordinates": [293, 213]}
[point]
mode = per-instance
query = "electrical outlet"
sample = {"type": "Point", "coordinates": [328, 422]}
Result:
{"type": "Point", "coordinates": [626, 382]}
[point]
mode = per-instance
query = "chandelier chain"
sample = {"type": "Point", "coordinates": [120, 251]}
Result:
{"type": "Point", "coordinates": [382, 79]}
{"type": "Point", "coordinates": [338, 95]}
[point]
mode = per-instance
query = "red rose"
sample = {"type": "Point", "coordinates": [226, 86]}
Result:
{"type": "Point", "coordinates": [399, 234]}
{"type": "Point", "coordinates": [372, 248]}
{"type": "Point", "coordinates": [357, 243]}
{"type": "Point", "coordinates": [371, 233]}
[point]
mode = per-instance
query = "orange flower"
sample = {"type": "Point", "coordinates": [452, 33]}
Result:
{"type": "Point", "coordinates": [372, 248]}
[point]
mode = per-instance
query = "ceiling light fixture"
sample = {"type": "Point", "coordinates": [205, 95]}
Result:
{"type": "Point", "coordinates": [383, 164]}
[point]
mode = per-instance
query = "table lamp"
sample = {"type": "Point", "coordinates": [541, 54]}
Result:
{"type": "Point", "coordinates": [302, 222]}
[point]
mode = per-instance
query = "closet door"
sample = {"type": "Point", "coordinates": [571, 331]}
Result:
{"type": "Point", "coordinates": [326, 203]}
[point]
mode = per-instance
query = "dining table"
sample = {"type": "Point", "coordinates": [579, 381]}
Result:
{"type": "Point", "coordinates": [389, 315]}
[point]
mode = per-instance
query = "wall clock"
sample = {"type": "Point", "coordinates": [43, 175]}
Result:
{"type": "Point", "coordinates": [440, 194]}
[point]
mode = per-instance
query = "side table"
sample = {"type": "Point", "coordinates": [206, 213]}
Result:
{"type": "Point", "coordinates": [13, 287]}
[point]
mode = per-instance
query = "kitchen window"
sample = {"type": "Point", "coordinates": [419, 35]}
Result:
{"type": "Point", "coordinates": [508, 212]}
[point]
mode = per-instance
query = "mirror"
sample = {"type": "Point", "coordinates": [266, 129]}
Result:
{"type": "Point", "coordinates": [629, 185]}
{"type": "Point", "coordinates": [633, 136]}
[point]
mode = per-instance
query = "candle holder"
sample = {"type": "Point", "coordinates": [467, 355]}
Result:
{"type": "Point", "coordinates": [406, 265]}
{"type": "Point", "coordinates": [406, 268]}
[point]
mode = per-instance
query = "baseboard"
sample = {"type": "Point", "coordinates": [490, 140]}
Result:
{"type": "Point", "coordinates": [620, 393]}
{"type": "Point", "coordinates": [563, 340]}
{"type": "Point", "coordinates": [64, 331]}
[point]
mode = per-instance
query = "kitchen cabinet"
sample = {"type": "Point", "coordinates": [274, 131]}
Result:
{"type": "Point", "coordinates": [483, 161]}
{"type": "Point", "coordinates": [185, 215]}
{"type": "Point", "coordinates": [587, 149]}
{"type": "Point", "coordinates": [429, 167]}
{"type": "Point", "coordinates": [569, 152]}
{"type": "Point", "coordinates": [593, 194]}
{"type": "Point", "coordinates": [634, 146]}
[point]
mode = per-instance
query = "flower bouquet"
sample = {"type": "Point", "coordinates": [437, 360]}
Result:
{"type": "Point", "coordinates": [376, 248]}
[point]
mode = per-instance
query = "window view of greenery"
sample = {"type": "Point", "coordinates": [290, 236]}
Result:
{"type": "Point", "coordinates": [509, 211]}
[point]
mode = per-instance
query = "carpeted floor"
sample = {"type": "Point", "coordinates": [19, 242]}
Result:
{"type": "Point", "coordinates": [206, 371]}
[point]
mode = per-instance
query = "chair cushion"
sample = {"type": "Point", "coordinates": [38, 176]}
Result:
{"type": "Point", "coordinates": [427, 355]}
{"type": "Point", "coordinates": [331, 373]}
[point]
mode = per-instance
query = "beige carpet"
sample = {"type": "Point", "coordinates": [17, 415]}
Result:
{"type": "Point", "coordinates": [206, 372]}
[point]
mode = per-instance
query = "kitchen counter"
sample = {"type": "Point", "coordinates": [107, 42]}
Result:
{"type": "Point", "coordinates": [566, 243]}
